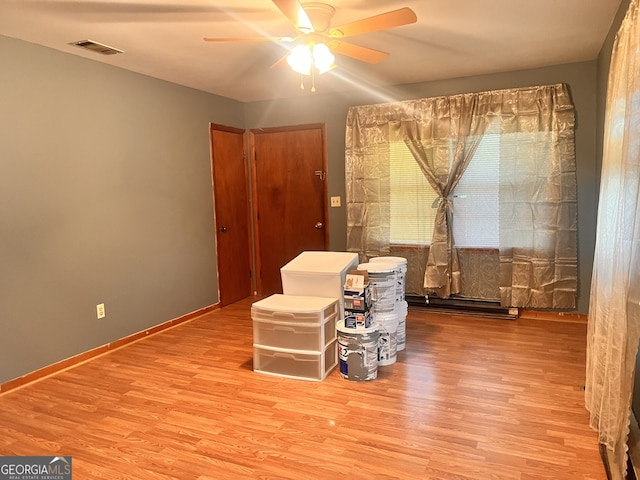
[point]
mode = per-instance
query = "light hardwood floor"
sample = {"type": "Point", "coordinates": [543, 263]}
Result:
{"type": "Point", "coordinates": [469, 398]}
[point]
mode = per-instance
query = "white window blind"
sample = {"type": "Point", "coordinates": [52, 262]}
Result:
{"type": "Point", "coordinates": [412, 199]}
{"type": "Point", "coordinates": [475, 198]}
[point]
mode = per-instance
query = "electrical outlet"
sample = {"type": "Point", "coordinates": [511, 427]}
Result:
{"type": "Point", "coordinates": [101, 311]}
{"type": "Point", "coordinates": [335, 201]}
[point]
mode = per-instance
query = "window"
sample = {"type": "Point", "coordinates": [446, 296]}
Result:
{"type": "Point", "coordinates": [413, 201]}
{"type": "Point", "coordinates": [476, 208]}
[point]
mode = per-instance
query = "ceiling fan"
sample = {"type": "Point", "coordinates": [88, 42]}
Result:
{"type": "Point", "coordinates": [317, 38]}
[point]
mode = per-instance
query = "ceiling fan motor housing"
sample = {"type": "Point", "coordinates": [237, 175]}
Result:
{"type": "Point", "coordinates": [320, 15]}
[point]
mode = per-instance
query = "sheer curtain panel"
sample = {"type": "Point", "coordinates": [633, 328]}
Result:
{"type": "Point", "coordinates": [614, 316]}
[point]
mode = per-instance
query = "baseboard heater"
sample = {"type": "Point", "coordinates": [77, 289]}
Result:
{"type": "Point", "coordinates": [463, 306]}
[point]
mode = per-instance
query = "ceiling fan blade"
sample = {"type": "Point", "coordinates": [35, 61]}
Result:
{"type": "Point", "coordinates": [294, 11]}
{"type": "Point", "coordinates": [395, 18]}
{"type": "Point", "coordinates": [248, 39]}
{"type": "Point", "coordinates": [364, 54]}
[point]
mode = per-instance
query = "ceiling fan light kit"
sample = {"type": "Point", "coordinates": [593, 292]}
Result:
{"type": "Point", "coordinates": [304, 57]}
{"type": "Point", "coordinates": [317, 39]}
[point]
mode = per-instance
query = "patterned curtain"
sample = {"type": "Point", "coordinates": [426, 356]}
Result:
{"type": "Point", "coordinates": [538, 258]}
{"type": "Point", "coordinates": [458, 127]}
{"type": "Point", "coordinates": [538, 200]}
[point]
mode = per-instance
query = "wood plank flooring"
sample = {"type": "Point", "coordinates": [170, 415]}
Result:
{"type": "Point", "coordinates": [469, 399]}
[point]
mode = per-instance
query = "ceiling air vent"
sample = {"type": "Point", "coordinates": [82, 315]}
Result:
{"type": "Point", "coordinates": [96, 47]}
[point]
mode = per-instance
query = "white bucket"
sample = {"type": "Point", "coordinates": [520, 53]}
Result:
{"type": "Point", "coordinates": [358, 352]}
{"type": "Point", "coordinates": [401, 272]}
{"type": "Point", "coordinates": [402, 325]}
{"type": "Point", "coordinates": [382, 278]}
{"type": "Point", "coordinates": [401, 334]}
{"type": "Point", "coordinates": [388, 346]}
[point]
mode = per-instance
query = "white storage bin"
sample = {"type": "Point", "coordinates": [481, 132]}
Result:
{"type": "Point", "coordinates": [321, 274]}
{"type": "Point", "coordinates": [295, 364]}
{"type": "Point", "coordinates": [295, 322]}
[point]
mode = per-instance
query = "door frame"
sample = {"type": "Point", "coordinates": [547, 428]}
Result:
{"type": "Point", "coordinates": [224, 128]}
{"type": "Point", "coordinates": [254, 189]}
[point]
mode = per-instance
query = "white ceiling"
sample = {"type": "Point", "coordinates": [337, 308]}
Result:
{"type": "Point", "coordinates": [452, 38]}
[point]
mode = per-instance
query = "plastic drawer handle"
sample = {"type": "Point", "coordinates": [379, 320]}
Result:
{"type": "Point", "coordinates": [284, 314]}
{"type": "Point", "coordinates": [284, 355]}
{"type": "Point", "coordinates": [286, 329]}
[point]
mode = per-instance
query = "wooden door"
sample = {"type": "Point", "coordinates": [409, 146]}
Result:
{"type": "Point", "coordinates": [231, 197]}
{"type": "Point", "coordinates": [290, 197]}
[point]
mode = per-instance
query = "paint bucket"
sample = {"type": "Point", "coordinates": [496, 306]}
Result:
{"type": "Point", "coordinates": [388, 345]}
{"type": "Point", "coordinates": [382, 278]}
{"type": "Point", "coordinates": [401, 272]}
{"type": "Point", "coordinates": [358, 352]}
{"type": "Point", "coordinates": [401, 333]}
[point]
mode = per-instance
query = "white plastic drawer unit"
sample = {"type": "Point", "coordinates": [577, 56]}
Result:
{"type": "Point", "coordinates": [318, 273]}
{"type": "Point", "coordinates": [295, 322]}
{"type": "Point", "coordinates": [295, 364]}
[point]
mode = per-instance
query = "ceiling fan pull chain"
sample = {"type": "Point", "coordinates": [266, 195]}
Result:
{"type": "Point", "coordinates": [301, 82]}
{"type": "Point", "coordinates": [313, 81]}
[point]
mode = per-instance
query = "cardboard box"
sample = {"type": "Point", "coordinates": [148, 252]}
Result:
{"type": "Point", "coordinates": [357, 291]}
{"type": "Point", "coordinates": [357, 300]}
{"type": "Point", "coordinates": [357, 319]}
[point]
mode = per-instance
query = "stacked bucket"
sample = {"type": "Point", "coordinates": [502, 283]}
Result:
{"type": "Point", "coordinates": [401, 306]}
{"type": "Point", "coordinates": [387, 279]}
{"type": "Point", "coordinates": [358, 336]}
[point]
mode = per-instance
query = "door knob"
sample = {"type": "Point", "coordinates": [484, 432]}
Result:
{"type": "Point", "coordinates": [319, 225]}
{"type": "Point", "coordinates": [223, 229]}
